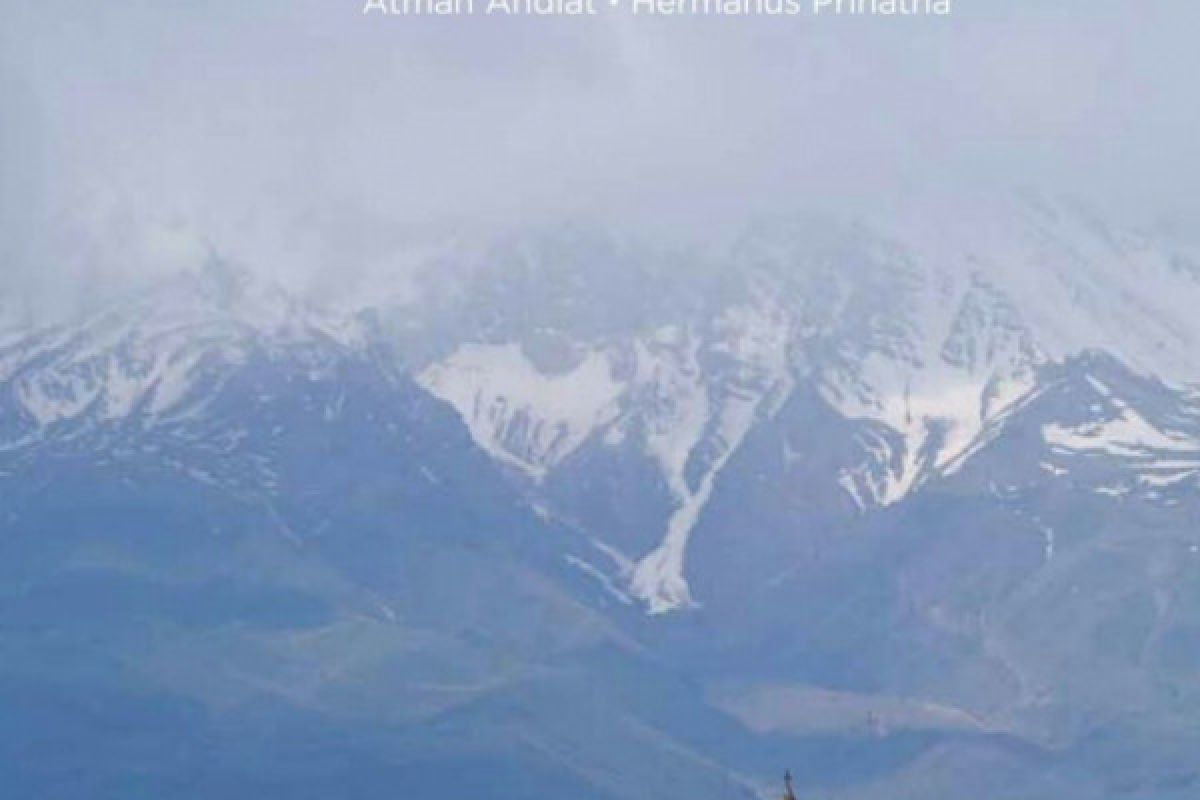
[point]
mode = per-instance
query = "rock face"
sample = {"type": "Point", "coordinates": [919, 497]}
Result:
{"type": "Point", "coordinates": [912, 511]}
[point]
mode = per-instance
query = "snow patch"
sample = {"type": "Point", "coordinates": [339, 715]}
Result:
{"type": "Point", "coordinates": [1127, 434]}
{"type": "Point", "coordinates": [715, 412]}
{"type": "Point", "coordinates": [518, 414]}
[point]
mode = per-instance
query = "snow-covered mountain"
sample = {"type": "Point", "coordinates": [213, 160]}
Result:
{"type": "Point", "coordinates": [146, 356]}
{"type": "Point", "coordinates": [823, 463]}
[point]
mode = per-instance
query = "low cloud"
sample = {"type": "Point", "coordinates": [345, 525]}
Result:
{"type": "Point", "coordinates": [300, 138]}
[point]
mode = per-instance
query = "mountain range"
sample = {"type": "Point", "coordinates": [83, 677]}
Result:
{"type": "Point", "coordinates": [908, 507]}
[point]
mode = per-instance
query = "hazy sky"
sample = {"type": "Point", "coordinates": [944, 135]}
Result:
{"type": "Point", "coordinates": [297, 136]}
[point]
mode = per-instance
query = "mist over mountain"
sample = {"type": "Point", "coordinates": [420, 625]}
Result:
{"type": "Point", "coordinates": [310, 144]}
{"type": "Point", "coordinates": [908, 510]}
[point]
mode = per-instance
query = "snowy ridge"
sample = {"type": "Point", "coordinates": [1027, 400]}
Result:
{"type": "Point", "coordinates": [146, 358]}
{"type": "Point", "coordinates": [1127, 434]}
{"type": "Point", "coordinates": [962, 369]}
{"type": "Point", "coordinates": [1078, 283]}
{"type": "Point", "coordinates": [930, 333]}
{"type": "Point", "coordinates": [925, 354]}
{"type": "Point", "coordinates": [1142, 450]}
{"type": "Point", "coordinates": [1117, 429]}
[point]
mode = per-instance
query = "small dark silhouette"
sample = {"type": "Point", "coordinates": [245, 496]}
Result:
{"type": "Point", "coordinates": [787, 783]}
